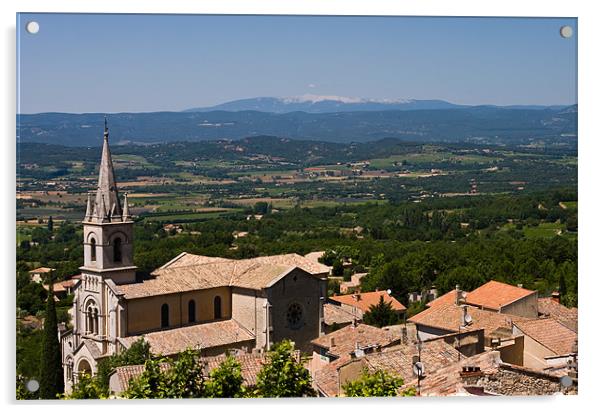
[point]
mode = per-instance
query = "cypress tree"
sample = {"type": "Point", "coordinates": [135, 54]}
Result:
{"type": "Point", "coordinates": [51, 369]}
{"type": "Point", "coordinates": [50, 224]}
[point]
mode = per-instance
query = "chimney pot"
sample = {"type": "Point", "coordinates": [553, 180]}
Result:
{"type": "Point", "coordinates": [458, 294]}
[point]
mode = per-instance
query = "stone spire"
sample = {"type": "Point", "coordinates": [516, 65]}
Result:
{"type": "Point", "coordinates": [106, 205]}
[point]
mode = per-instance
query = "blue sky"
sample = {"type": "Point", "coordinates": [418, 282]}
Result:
{"type": "Point", "coordinates": [139, 63]}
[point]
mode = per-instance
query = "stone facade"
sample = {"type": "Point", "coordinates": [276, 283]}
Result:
{"type": "Point", "coordinates": [275, 298]}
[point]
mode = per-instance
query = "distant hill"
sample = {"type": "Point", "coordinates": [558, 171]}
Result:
{"type": "Point", "coordinates": [475, 124]}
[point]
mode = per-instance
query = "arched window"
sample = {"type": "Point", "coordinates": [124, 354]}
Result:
{"type": "Point", "coordinates": [164, 315]}
{"type": "Point", "coordinates": [92, 249]}
{"type": "Point", "coordinates": [91, 314]}
{"type": "Point", "coordinates": [117, 250]}
{"type": "Point", "coordinates": [217, 307]}
{"type": "Point", "coordinates": [191, 311]}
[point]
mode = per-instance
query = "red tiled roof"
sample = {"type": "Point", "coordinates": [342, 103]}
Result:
{"type": "Point", "coordinates": [347, 339]}
{"type": "Point", "coordinates": [550, 333]}
{"type": "Point", "coordinates": [41, 270]}
{"type": "Point", "coordinates": [334, 314]}
{"type": "Point", "coordinates": [61, 286]}
{"type": "Point", "coordinates": [435, 354]}
{"type": "Point", "coordinates": [495, 294]}
{"type": "Point", "coordinates": [568, 317]}
{"type": "Point", "coordinates": [396, 360]}
{"type": "Point", "coordinates": [363, 301]}
{"type": "Point", "coordinates": [327, 378]}
{"type": "Point", "coordinates": [199, 336]}
{"type": "Point", "coordinates": [447, 317]}
{"type": "Point", "coordinates": [189, 272]}
{"type": "Point", "coordinates": [497, 377]}
{"type": "Point", "coordinates": [447, 298]}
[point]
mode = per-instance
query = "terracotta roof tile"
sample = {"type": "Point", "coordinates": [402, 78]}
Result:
{"type": "Point", "coordinates": [568, 317]}
{"type": "Point", "coordinates": [189, 272]}
{"type": "Point", "coordinates": [203, 336]}
{"type": "Point", "coordinates": [448, 316]}
{"type": "Point", "coordinates": [347, 338]}
{"type": "Point", "coordinates": [334, 314]}
{"type": "Point", "coordinates": [41, 270]}
{"type": "Point", "coordinates": [447, 298]}
{"type": "Point", "coordinates": [395, 360]}
{"type": "Point", "coordinates": [448, 380]}
{"type": "Point", "coordinates": [549, 333]}
{"type": "Point", "coordinates": [363, 301]}
{"type": "Point", "coordinates": [495, 294]}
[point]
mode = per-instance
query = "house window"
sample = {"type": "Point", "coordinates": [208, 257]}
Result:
{"type": "Point", "coordinates": [217, 307]}
{"type": "Point", "coordinates": [191, 311]}
{"type": "Point", "coordinates": [164, 315]}
{"type": "Point", "coordinates": [117, 250]}
{"type": "Point", "coordinates": [92, 250]}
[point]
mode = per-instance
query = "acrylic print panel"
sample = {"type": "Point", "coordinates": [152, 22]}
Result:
{"type": "Point", "coordinates": [295, 206]}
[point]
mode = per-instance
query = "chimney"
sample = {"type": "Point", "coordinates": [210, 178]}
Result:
{"type": "Point", "coordinates": [458, 294]}
{"type": "Point", "coordinates": [332, 342]}
{"type": "Point", "coordinates": [404, 335]}
{"type": "Point", "coordinates": [356, 297]}
{"type": "Point", "coordinates": [556, 296]}
{"type": "Point", "coordinates": [519, 285]}
{"type": "Point", "coordinates": [376, 290]}
{"type": "Point", "coordinates": [464, 317]}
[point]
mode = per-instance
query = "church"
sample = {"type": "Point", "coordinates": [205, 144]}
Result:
{"type": "Point", "coordinates": [209, 304]}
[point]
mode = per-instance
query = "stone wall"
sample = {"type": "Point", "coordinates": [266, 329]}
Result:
{"type": "Point", "coordinates": [525, 307]}
{"type": "Point", "coordinates": [510, 381]}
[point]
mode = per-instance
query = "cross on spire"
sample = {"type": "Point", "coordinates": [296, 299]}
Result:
{"type": "Point", "coordinates": [106, 136]}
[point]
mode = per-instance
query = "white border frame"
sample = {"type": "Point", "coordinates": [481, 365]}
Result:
{"type": "Point", "coordinates": [589, 92]}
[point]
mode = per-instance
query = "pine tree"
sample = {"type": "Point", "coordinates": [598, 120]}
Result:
{"type": "Point", "coordinates": [381, 314]}
{"type": "Point", "coordinates": [50, 224]}
{"type": "Point", "coordinates": [51, 369]}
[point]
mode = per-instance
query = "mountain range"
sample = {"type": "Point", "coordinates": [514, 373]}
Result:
{"type": "Point", "coordinates": [331, 104]}
{"type": "Point", "coordinates": [411, 120]}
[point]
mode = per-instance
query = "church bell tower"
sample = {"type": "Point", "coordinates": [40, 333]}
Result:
{"type": "Point", "coordinates": [108, 228]}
